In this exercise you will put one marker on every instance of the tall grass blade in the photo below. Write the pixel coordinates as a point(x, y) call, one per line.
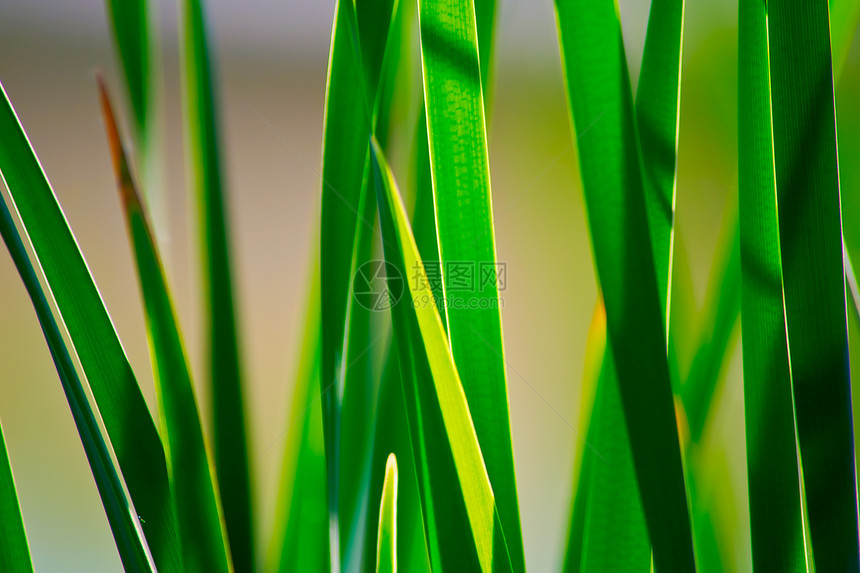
point(126, 417)
point(658, 100)
point(131, 32)
point(772, 465)
point(351, 113)
point(124, 525)
point(14, 549)
point(301, 530)
point(135, 37)
point(844, 16)
point(393, 435)
point(195, 492)
point(721, 312)
point(458, 504)
point(460, 175)
point(608, 486)
point(224, 371)
point(386, 548)
point(600, 100)
point(810, 225)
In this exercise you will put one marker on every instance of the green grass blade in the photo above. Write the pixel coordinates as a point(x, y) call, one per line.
point(464, 222)
point(198, 510)
point(14, 550)
point(386, 548)
point(722, 310)
point(130, 27)
point(601, 104)
point(595, 348)
point(125, 414)
point(603, 494)
point(844, 16)
point(124, 526)
point(301, 531)
point(658, 99)
point(772, 466)
point(392, 435)
point(451, 470)
point(224, 371)
point(352, 107)
point(810, 225)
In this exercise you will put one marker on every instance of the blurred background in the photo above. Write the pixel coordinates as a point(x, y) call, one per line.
point(272, 58)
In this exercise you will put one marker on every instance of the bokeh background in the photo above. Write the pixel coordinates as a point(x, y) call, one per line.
point(272, 59)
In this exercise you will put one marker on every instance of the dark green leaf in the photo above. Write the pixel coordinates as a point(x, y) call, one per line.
point(14, 551)
point(121, 405)
point(602, 111)
point(224, 370)
point(810, 240)
point(772, 466)
point(464, 222)
point(198, 509)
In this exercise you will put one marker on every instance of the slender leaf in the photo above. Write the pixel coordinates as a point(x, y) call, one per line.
point(351, 111)
point(224, 369)
point(14, 551)
point(131, 32)
point(301, 531)
point(462, 525)
point(464, 221)
point(386, 548)
point(595, 348)
point(721, 312)
point(124, 525)
point(810, 225)
point(121, 405)
point(200, 519)
point(844, 16)
point(601, 102)
point(393, 435)
point(772, 465)
point(658, 100)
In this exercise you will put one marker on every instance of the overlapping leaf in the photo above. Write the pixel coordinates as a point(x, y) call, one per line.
point(198, 507)
point(810, 242)
point(460, 176)
point(462, 525)
point(600, 101)
point(223, 365)
point(121, 405)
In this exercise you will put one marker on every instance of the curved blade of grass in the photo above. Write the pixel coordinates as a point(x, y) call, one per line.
point(14, 549)
point(436, 402)
point(598, 88)
point(198, 510)
point(122, 407)
point(772, 465)
point(810, 234)
point(124, 524)
point(229, 430)
point(301, 530)
point(386, 548)
point(464, 221)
